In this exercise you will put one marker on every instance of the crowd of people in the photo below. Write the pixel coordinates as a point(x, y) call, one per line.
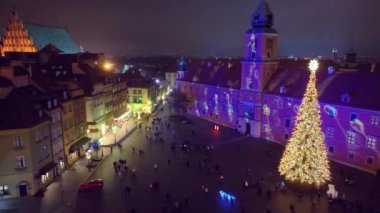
point(160, 130)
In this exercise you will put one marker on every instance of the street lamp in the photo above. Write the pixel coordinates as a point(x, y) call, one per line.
point(114, 128)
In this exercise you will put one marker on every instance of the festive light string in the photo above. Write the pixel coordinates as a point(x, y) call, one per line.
point(305, 157)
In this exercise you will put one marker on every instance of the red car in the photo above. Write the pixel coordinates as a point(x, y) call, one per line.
point(91, 185)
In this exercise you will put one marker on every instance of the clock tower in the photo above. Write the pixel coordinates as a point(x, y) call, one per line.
point(260, 52)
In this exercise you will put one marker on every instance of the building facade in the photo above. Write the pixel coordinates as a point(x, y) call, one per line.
point(27, 164)
point(259, 95)
point(16, 37)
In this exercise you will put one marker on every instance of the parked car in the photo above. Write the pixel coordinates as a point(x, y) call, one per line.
point(91, 185)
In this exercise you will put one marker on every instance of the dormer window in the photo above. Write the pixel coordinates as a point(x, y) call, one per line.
point(283, 90)
point(345, 98)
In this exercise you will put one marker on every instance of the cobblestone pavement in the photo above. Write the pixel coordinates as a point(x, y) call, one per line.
point(183, 179)
point(234, 154)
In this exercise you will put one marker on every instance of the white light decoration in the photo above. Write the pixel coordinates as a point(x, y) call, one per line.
point(313, 65)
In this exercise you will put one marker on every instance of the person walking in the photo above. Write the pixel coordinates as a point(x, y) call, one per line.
point(155, 167)
point(169, 162)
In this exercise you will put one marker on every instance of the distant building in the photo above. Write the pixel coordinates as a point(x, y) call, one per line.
point(20, 36)
point(259, 95)
point(144, 94)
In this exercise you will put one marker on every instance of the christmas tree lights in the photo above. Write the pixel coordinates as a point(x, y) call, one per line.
point(305, 157)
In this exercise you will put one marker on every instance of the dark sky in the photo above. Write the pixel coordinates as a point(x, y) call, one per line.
point(206, 27)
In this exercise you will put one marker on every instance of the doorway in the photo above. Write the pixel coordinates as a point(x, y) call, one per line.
point(248, 129)
point(23, 190)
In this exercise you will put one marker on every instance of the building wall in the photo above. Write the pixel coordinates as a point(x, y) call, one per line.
point(57, 138)
point(273, 117)
point(68, 130)
point(35, 147)
point(139, 100)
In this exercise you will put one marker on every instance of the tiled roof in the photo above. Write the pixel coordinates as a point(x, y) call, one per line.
point(20, 108)
point(60, 37)
point(291, 77)
point(223, 72)
point(5, 82)
point(19, 70)
point(360, 85)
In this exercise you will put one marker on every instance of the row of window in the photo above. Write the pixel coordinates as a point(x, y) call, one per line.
point(135, 92)
point(370, 160)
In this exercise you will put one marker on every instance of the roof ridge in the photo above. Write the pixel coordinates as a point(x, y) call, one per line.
point(44, 25)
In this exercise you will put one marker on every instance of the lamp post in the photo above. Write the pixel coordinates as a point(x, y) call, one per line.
point(114, 130)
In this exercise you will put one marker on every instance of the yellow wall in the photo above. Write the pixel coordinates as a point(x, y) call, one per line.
point(31, 149)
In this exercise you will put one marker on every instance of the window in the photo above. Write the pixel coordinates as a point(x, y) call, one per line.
point(139, 99)
point(350, 137)
point(45, 177)
point(269, 43)
point(353, 116)
point(20, 161)
point(351, 155)
point(266, 110)
point(4, 190)
point(331, 112)
point(286, 136)
point(38, 136)
point(331, 149)
point(274, 113)
point(371, 142)
point(374, 120)
point(287, 122)
point(134, 92)
point(370, 160)
point(134, 99)
point(17, 142)
point(289, 105)
point(139, 92)
point(329, 132)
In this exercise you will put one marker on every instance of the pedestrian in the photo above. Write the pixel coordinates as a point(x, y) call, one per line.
point(133, 173)
point(155, 167)
point(186, 201)
point(115, 166)
point(292, 209)
point(167, 196)
point(169, 162)
point(133, 150)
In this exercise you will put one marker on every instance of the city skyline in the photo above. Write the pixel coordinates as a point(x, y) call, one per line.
point(215, 28)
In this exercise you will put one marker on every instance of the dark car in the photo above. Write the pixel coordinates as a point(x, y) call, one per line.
point(91, 185)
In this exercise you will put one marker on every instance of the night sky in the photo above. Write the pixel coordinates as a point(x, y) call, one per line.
point(205, 27)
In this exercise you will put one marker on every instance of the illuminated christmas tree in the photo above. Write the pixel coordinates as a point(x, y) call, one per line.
point(305, 157)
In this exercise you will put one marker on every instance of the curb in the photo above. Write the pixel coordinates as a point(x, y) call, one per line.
point(96, 167)
point(121, 139)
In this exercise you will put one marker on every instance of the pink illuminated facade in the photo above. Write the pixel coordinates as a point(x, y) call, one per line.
point(259, 95)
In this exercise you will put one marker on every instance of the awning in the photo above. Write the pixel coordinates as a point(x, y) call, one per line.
point(45, 169)
point(79, 144)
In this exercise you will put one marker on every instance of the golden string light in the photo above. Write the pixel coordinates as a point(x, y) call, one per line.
point(305, 157)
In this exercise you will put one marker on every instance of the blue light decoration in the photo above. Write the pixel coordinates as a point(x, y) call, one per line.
point(226, 196)
point(331, 111)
